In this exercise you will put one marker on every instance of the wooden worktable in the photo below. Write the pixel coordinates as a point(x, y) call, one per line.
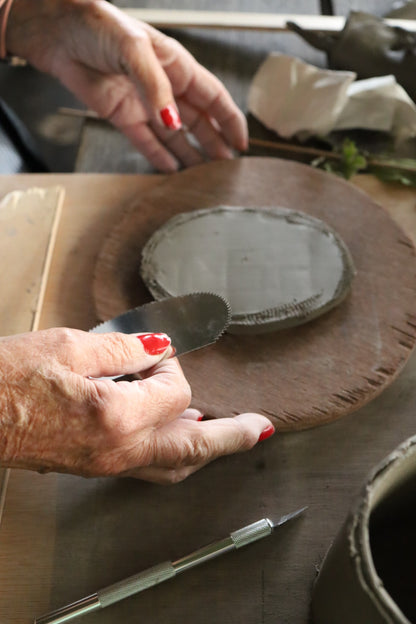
point(63, 537)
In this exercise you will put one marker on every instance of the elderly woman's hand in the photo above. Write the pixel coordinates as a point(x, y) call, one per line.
point(56, 414)
point(132, 75)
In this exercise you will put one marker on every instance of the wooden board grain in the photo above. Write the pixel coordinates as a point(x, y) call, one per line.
point(28, 227)
point(304, 376)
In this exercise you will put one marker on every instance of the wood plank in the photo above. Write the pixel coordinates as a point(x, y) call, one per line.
point(246, 20)
point(28, 227)
point(94, 204)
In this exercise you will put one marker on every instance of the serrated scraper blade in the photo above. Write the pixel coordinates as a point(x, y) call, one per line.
point(192, 321)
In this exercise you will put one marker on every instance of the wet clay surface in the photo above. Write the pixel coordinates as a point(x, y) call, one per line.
point(276, 267)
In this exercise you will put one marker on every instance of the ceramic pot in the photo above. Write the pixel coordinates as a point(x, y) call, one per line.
point(368, 574)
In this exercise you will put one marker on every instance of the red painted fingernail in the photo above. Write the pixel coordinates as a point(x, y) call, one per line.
point(170, 117)
point(154, 344)
point(266, 433)
point(200, 418)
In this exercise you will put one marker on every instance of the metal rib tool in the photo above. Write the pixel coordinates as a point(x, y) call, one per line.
point(164, 571)
point(191, 321)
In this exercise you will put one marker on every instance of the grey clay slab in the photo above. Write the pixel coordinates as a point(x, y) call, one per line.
point(278, 268)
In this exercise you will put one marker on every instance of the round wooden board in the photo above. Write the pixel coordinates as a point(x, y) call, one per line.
point(307, 375)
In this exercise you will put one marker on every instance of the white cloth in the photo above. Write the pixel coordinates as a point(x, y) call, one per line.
point(294, 98)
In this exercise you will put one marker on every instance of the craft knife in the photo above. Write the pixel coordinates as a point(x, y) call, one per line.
point(164, 571)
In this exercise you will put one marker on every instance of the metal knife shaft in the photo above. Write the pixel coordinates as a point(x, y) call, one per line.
point(158, 574)
point(237, 539)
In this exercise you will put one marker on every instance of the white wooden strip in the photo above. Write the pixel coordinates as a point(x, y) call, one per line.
point(167, 18)
point(28, 226)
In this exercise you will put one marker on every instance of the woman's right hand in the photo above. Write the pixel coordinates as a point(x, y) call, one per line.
point(133, 75)
point(58, 414)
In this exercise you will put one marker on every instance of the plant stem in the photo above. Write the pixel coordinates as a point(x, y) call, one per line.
point(312, 151)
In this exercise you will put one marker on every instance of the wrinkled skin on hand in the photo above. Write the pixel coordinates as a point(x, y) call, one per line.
point(57, 415)
point(128, 72)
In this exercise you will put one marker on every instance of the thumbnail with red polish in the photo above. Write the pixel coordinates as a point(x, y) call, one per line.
point(154, 344)
point(266, 433)
point(170, 117)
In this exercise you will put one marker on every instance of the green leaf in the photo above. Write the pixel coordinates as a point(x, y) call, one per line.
point(392, 174)
point(350, 163)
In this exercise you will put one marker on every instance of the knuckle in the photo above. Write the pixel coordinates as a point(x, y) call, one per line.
point(196, 450)
point(173, 476)
point(162, 42)
point(138, 38)
point(66, 337)
point(118, 344)
point(177, 476)
point(172, 49)
point(111, 421)
point(65, 342)
point(134, 47)
point(183, 401)
point(174, 400)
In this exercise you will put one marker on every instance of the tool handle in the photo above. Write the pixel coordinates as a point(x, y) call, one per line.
point(237, 539)
point(252, 532)
point(136, 583)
